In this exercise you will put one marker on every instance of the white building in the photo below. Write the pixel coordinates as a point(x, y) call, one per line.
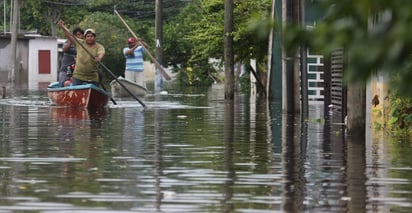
point(37, 58)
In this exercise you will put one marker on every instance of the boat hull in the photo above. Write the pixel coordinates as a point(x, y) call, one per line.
point(87, 95)
point(64, 114)
point(119, 91)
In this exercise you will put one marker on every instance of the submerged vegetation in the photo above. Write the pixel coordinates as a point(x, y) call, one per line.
point(400, 117)
point(394, 116)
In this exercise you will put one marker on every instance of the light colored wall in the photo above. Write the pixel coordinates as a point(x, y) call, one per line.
point(36, 80)
point(27, 74)
point(4, 55)
point(21, 56)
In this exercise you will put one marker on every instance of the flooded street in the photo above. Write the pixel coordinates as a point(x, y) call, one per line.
point(190, 151)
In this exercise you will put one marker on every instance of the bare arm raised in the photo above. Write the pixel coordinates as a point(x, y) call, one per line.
point(66, 31)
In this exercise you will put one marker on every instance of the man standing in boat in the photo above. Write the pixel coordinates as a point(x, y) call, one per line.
point(134, 61)
point(87, 67)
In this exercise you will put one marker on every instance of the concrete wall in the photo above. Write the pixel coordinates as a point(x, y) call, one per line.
point(27, 72)
point(21, 56)
point(4, 65)
point(4, 55)
point(40, 81)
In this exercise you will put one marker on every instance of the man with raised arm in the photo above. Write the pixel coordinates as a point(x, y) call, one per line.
point(89, 55)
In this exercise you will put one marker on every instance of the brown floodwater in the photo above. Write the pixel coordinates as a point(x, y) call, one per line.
point(192, 151)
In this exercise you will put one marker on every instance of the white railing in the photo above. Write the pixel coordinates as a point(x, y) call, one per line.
point(315, 77)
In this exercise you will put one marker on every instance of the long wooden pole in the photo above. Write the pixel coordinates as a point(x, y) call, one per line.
point(13, 43)
point(162, 71)
point(104, 88)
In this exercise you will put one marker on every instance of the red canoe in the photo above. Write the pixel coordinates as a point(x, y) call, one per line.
point(64, 114)
point(87, 95)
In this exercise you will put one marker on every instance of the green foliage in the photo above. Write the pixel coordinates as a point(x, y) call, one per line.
point(36, 14)
point(400, 119)
point(251, 30)
point(74, 14)
point(196, 34)
point(378, 126)
point(378, 112)
point(100, 3)
point(195, 76)
point(375, 35)
point(177, 47)
point(33, 18)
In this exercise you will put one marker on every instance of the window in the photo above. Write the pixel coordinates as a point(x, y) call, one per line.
point(44, 62)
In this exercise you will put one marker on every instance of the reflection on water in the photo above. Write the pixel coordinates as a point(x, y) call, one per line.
point(193, 152)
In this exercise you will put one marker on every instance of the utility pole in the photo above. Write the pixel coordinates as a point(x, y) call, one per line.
point(159, 41)
point(13, 43)
point(228, 51)
point(303, 66)
point(4, 17)
point(290, 78)
point(288, 64)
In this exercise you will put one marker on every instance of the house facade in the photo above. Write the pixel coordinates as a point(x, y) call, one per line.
point(37, 59)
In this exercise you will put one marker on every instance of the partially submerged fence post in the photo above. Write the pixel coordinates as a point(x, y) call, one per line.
point(3, 82)
point(3, 91)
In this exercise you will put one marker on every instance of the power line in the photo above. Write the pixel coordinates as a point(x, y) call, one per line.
point(146, 8)
point(66, 2)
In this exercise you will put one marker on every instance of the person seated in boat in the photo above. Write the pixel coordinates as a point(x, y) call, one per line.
point(68, 83)
point(89, 56)
point(69, 73)
point(134, 53)
point(69, 55)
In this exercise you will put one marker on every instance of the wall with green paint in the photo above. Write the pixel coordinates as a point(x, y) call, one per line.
point(313, 14)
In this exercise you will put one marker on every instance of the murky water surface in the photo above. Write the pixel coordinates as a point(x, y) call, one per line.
point(190, 151)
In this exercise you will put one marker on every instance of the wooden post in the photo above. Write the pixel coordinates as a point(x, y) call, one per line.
point(303, 66)
point(13, 43)
point(159, 41)
point(3, 81)
point(3, 93)
point(270, 53)
point(228, 51)
point(291, 85)
point(295, 19)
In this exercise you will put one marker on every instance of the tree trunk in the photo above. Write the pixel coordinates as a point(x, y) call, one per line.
point(13, 43)
point(53, 16)
point(356, 99)
point(228, 51)
point(159, 41)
